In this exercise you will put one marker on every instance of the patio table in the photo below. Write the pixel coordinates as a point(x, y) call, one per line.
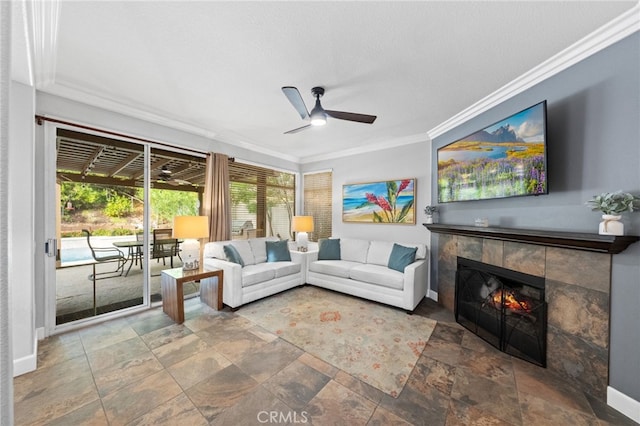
point(132, 249)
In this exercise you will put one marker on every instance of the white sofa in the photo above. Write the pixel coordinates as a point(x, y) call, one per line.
point(258, 278)
point(362, 271)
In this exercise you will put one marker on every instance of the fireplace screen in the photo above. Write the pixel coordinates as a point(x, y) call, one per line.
point(504, 307)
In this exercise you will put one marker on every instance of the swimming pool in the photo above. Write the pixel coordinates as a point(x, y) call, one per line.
point(78, 254)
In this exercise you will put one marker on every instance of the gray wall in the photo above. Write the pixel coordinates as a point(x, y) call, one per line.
point(593, 135)
point(408, 161)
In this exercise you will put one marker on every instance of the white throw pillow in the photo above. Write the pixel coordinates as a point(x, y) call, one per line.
point(216, 249)
point(354, 250)
point(421, 253)
point(244, 249)
point(379, 252)
point(259, 248)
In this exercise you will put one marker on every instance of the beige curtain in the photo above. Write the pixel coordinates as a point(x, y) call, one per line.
point(217, 202)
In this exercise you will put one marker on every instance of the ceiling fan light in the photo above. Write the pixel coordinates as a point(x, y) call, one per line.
point(318, 117)
point(318, 121)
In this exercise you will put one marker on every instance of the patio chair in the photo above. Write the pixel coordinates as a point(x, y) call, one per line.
point(105, 255)
point(164, 245)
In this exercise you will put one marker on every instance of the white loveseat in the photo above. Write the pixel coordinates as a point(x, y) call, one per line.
point(363, 271)
point(257, 278)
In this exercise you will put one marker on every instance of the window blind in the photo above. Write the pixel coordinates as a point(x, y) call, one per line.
point(262, 201)
point(318, 202)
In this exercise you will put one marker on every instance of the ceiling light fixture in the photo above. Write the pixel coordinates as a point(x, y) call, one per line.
point(318, 116)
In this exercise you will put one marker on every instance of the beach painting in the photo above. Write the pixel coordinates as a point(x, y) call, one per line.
point(391, 201)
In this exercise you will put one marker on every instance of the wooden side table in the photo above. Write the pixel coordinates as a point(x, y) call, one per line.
point(172, 281)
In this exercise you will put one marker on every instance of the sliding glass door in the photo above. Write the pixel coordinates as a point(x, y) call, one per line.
point(110, 233)
point(99, 212)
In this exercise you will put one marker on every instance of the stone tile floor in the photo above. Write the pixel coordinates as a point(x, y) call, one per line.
point(220, 369)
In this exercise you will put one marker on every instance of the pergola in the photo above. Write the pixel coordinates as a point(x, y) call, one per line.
point(86, 158)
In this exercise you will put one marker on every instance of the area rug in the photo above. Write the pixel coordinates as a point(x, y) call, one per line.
point(377, 344)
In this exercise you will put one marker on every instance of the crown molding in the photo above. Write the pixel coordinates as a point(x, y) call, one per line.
point(610, 33)
point(68, 91)
point(41, 26)
point(393, 143)
point(259, 149)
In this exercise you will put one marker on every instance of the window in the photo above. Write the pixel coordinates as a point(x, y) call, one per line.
point(318, 202)
point(262, 201)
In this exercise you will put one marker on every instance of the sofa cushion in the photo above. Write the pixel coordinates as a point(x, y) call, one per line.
point(255, 274)
point(245, 251)
point(379, 252)
point(233, 255)
point(278, 251)
point(337, 268)
point(354, 250)
point(379, 275)
point(216, 249)
point(329, 249)
point(282, 269)
point(401, 257)
point(259, 248)
point(421, 250)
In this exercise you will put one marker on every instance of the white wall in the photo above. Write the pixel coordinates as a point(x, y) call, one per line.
point(21, 227)
point(407, 161)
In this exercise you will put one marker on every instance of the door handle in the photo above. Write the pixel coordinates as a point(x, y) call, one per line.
point(51, 247)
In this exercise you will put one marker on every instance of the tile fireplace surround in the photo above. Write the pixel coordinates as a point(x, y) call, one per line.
point(578, 283)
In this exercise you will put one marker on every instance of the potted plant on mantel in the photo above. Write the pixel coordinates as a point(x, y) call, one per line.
point(612, 205)
point(430, 211)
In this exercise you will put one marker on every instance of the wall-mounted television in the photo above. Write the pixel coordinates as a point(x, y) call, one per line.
point(505, 159)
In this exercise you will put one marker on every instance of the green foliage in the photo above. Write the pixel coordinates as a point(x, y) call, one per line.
point(244, 193)
point(165, 204)
point(118, 206)
point(614, 203)
point(82, 195)
point(98, 233)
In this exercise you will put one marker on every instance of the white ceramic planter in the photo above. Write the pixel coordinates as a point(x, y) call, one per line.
point(611, 225)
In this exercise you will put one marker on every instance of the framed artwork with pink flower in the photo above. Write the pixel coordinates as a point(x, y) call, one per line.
point(390, 201)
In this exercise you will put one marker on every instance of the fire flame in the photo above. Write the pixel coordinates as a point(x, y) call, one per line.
point(510, 301)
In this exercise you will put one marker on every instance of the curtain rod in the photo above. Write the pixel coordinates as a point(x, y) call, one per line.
point(41, 118)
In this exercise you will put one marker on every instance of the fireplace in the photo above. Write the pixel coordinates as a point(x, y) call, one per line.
point(504, 307)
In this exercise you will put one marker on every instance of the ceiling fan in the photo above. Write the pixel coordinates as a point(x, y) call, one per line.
point(318, 114)
point(165, 177)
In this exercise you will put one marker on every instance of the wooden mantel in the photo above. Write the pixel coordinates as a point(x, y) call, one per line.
point(612, 244)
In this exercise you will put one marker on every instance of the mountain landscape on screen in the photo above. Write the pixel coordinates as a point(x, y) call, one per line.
point(506, 159)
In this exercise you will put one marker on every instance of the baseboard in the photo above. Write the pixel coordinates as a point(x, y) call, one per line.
point(623, 403)
point(27, 363)
point(40, 333)
point(433, 295)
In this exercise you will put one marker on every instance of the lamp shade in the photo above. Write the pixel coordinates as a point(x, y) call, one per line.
point(191, 227)
point(302, 224)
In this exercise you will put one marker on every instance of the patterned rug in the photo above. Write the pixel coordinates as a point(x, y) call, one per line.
point(377, 344)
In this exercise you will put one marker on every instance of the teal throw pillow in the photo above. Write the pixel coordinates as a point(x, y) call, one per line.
point(329, 249)
point(401, 257)
point(232, 254)
point(278, 251)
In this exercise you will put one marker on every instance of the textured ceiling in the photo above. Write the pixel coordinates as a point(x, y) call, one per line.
point(218, 67)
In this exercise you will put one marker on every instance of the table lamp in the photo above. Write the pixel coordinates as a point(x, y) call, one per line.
point(191, 228)
point(301, 225)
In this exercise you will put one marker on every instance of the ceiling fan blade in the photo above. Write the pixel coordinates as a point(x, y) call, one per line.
point(296, 100)
point(297, 130)
point(351, 116)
